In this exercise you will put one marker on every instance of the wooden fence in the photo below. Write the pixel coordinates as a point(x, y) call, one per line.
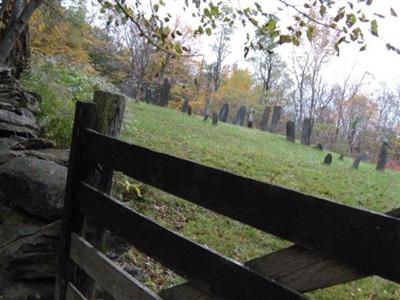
point(334, 243)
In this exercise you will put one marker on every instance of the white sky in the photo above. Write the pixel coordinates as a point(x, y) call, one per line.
point(384, 65)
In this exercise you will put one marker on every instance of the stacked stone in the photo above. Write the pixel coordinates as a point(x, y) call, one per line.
point(17, 108)
point(32, 180)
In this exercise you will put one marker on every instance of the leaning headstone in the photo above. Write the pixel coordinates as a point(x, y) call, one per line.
point(250, 117)
point(319, 147)
point(240, 116)
point(383, 156)
point(328, 159)
point(265, 118)
point(357, 161)
point(276, 115)
point(223, 113)
point(214, 119)
point(341, 157)
point(185, 105)
point(189, 110)
point(308, 125)
point(291, 131)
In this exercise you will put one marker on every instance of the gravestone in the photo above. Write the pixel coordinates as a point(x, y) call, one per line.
point(341, 157)
point(328, 159)
point(265, 118)
point(383, 156)
point(223, 113)
point(240, 116)
point(189, 110)
point(250, 117)
point(214, 119)
point(291, 131)
point(308, 125)
point(357, 161)
point(319, 147)
point(185, 105)
point(276, 115)
point(165, 92)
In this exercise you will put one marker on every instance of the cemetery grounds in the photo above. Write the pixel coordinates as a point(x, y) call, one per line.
point(250, 153)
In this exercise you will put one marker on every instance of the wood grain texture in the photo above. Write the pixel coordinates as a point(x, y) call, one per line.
point(226, 278)
point(85, 114)
point(296, 267)
point(366, 240)
point(73, 293)
point(115, 281)
point(110, 110)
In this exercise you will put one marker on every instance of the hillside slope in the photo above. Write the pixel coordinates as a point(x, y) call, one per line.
point(263, 156)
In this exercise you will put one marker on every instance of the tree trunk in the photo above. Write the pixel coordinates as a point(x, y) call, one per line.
point(308, 125)
point(276, 116)
point(265, 118)
point(383, 156)
point(14, 29)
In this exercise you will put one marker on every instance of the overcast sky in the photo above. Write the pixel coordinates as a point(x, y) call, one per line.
point(384, 65)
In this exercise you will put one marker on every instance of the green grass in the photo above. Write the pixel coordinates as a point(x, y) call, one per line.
point(259, 155)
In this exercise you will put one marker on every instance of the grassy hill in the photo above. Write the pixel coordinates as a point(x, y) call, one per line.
point(259, 155)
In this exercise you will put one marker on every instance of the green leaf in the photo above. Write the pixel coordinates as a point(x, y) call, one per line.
point(310, 33)
point(322, 10)
point(350, 20)
point(393, 12)
point(271, 25)
point(208, 31)
point(178, 49)
point(374, 27)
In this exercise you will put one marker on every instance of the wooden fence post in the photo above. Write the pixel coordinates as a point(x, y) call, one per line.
point(109, 117)
point(85, 115)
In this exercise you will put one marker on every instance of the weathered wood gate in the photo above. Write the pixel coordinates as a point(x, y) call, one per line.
point(335, 243)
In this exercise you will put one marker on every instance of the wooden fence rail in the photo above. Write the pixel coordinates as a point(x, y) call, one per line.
point(335, 243)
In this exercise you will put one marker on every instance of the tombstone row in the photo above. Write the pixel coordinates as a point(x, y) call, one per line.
point(265, 125)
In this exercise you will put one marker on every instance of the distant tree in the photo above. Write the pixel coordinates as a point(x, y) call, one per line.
point(358, 113)
point(348, 20)
point(311, 87)
point(237, 90)
point(221, 50)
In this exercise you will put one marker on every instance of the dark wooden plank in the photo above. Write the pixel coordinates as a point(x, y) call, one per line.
point(366, 240)
point(225, 277)
point(115, 281)
point(73, 293)
point(296, 267)
point(84, 118)
point(304, 270)
point(110, 110)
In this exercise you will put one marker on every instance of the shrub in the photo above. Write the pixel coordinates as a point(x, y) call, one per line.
point(60, 84)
